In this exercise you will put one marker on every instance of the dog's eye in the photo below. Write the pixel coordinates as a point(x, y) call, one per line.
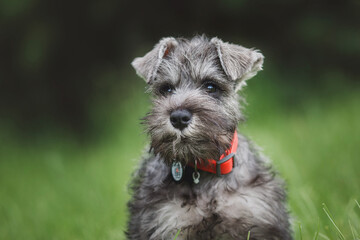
point(212, 89)
point(166, 89)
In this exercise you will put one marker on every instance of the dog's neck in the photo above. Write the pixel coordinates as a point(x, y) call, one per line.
point(222, 166)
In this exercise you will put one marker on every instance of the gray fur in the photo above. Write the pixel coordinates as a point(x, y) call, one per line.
point(250, 198)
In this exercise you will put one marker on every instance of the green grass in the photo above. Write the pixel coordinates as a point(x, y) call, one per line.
point(177, 234)
point(58, 195)
point(56, 188)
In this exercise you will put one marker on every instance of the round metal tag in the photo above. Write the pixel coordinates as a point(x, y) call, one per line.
point(177, 171)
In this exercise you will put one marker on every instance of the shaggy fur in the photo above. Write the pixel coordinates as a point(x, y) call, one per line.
point(250, 198)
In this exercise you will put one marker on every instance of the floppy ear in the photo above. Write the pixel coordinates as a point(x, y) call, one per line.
point(147, 66)
point(239, 63)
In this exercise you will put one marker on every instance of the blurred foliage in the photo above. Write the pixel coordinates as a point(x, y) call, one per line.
point(61, 58)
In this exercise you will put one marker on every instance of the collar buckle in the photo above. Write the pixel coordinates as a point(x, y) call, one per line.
point(225, 159)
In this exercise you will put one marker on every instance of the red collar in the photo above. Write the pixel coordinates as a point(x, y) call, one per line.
point(222, 166)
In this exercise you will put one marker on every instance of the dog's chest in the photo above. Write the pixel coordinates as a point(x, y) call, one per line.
point(216, 208)
point(208, 214)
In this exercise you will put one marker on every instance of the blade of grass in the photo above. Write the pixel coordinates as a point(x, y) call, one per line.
point(324, 236)
point(300, 231)
point(352, 230)
point(326, 210)
point(248, 236)
point(357, 203)
point(318, 230)
point(177, 234)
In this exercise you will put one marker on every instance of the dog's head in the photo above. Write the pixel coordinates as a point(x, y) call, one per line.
point(194, 84)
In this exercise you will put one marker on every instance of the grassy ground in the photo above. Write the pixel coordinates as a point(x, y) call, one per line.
point(55, 188)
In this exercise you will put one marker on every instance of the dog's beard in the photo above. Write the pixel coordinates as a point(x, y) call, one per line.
point(207, 137)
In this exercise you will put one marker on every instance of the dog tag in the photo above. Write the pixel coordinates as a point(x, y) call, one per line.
point(177, 171)
point(196, 177)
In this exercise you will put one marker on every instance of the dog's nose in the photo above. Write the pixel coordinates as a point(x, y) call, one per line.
point(181, 118)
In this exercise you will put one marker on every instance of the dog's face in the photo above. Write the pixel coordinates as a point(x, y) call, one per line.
point(195, 103)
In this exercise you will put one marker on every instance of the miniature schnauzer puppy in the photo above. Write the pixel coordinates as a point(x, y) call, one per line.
point(201, 179)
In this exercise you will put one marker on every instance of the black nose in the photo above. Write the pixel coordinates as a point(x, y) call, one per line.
point(180, 119)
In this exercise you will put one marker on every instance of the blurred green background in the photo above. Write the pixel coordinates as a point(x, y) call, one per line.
point(70, 107)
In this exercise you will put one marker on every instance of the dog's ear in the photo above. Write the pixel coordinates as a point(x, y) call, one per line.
point(147, 66)
point(239, 63)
